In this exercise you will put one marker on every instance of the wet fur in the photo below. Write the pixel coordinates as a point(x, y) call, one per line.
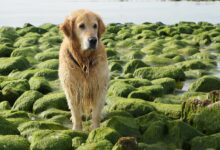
point(85, 83)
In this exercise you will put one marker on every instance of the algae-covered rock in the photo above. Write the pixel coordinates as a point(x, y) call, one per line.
point(126, 126)
point(7, 128)
point(103, 133)
point(160, 72)
point(49, 64)
point(115, 66)
point(135, 82)
point(168, 84)
point(52, 100)
point(77, 141)
point(126, 143)
point(4, 105)
point(205, 84)
point(101, 145)
point(9, 64)
point(5, 51)
point(25, 51)
point(49, 113)
point(206, 142)
point(132, 65)
point(26, 41)
point(49, 74)
point(120, 89)
point(13, 142)
point(50, 140)
point(207, 121)
point(136, 107)
point(8, 32)
point(26, 100)
point(47, 55)
point(169, 99)
point(40, 84)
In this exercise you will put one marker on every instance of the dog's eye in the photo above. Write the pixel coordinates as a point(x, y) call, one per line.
point(95, 26)
point(82, 26)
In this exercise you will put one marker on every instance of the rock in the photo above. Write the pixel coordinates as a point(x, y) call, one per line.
point(13, 142)
point(29, 29)
point(103, 133)
point(26, 74)
point(49, 74)
point(47, 26)
point(7, 128)
point(5, 51)
point(194, 64)
point(120, 89)
point(126, 143)
point(43, 56)
point(9, 64)
point(169, 99)
point(206, 142)
point(135, 82)
point(152, 73)
point(40, 84)
point(207, 121)
point(49, 64)
point(51, 112)
point(115, 66)
point(157, 146)
point(26, 100)
point(26, 41)
point(205, 84)
point(101, 145)
point(8, 32)
point(25, 51)
point(4, 105)
point(132, 65)
point(52, 100)
point(124, 125)
point(155, 60)
point(50, 140)
point(77, 141)
point(168, 84)
point(136, 107)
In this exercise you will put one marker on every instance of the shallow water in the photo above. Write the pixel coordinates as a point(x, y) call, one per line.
point(16, 13)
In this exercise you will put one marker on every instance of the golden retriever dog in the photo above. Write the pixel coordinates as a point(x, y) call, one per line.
point(83, 68)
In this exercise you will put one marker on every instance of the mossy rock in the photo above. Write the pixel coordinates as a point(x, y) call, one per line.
point(26, 41)
point(120, 89)
point(17, 121)
point(13, 142)
point(168, 84)
point(195, 74)
point(75, 133)
point(136, 107)
point(7, 128)
point(158, 60)
point(43, 56)
point(205, 84)
point(28, 29)
point(135, 82)
point(125, 126)
point(49, 64)
point(157, 146)
point(115, 66)
point(26, 100)
point(5, 51)
point(14, 114)
point(50, 140)
point(206, 142)
point(27, 128)
point(169, 99)
point(126, 143)
point(8, 32)
point(116, 113)
point(153, 90)
point(47, 26)
point(25, 51)
point(9, 64)
point(132, 65)
point(11, 90)
point(52, 100)
point(77, 141)
point(4, 105)
point(49, 74)
point(152, 73)
point(141, 94)
point(26, 74)
point(202, 121)
point(40, 84)
point(49, 113)
point(103, 133)
point(101, 145)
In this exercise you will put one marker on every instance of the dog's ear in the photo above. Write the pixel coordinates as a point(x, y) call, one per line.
point(67, 28)
point(101, 27)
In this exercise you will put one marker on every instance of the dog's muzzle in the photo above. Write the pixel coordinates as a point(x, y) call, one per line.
point(92, 42)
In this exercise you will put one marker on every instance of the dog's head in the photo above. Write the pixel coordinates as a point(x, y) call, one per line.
point(85, 28)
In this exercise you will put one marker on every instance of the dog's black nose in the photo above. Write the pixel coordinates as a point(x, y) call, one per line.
point(92, 42)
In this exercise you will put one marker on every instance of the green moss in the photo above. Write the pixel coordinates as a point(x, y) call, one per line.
point(13, 142)
point(47, 55)
point(207, 121)
point(75, 133)
point(40, 84)
point(132, 65)
point(49, 64)
point(158, 60)
point(8, 32)
point(26, 74)
point(17, 121)
point(47, 26)
point(77, 141)
point(50, 140)
point(206, 142)
point(115, 66)
point(49, 113)
point(135, 82)
point(154, 90)
point(141, 94)
point(26, 41)
point(103, 133)
point(26, 100)
point(205, 84)
point(25, 51)
point(168, 84)
point(4, 105)
point(125, 126)
point(194, 74)
point(126, 143)
point(120, 89)
point(30, 28)
point(49, 74)
point(5, 51)
point(52, 100)
point(160, 72)
point(116, 113)
point(157, 146)
point(169, 99)
point(9, 64)
point(194, 64)
point(101, 145)
point(136, 107)
point(14, 114)
point(7, 128)
point(11, 90)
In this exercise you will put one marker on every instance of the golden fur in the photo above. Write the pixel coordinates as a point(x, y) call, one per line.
point(84, 81)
